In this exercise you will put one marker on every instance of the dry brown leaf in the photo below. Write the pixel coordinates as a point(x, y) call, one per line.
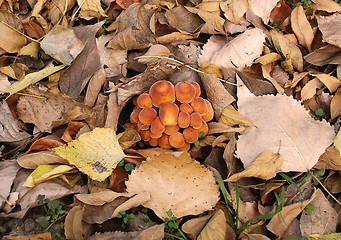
point(333, 182)
point(73, 223)
point(53, 112)
point(8, 172)
point(329, 26)
point(72, 129)
point(100, 198)
point(268, 58)
point(327, 5)
point(257, 85)
point(267, 76)
point(75, 78)
point(14, 70)
point(301, 27)
point(234, 10)
point(231, 117)
point(128, 138)
point(332, 83)
point(134, 201)
point(95, 85)
point(174, 184)
point(91, 8)
point(241, 51)
point(309, 90)
point(44, 144)
point(322, 220)
point(281, 120)
point(10, 27)
point(33, 160)
point(157, 50)
point(38, 236)
point(216, 228)
point(287, 49)
point(263, 8)
point(280, 12)
point(335, 105)
point(265, 166)
point(330, 159)
point(193, 227)
point(325, 55)
point(133, 29)
point(288, 214)
point(58, 9)
point(156, 232)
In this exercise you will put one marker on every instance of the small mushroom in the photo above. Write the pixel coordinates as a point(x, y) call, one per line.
point(155, 135)
point(208, 116)
point(196, 120)
point(134, 116)
point(184, 119)
point(147, 115)
point(161, 92)
point(141, 126)
point(153, 142)
point(144, 100)
point(145, 135)
point(176, 140)
point(163, 141)
point(190, 134)
point(156, 126)
point(203, 128)
point(184, 92)
point(185, 107)
point(185, 147)
point(197, 88)
point(199, 105)
point(171, 129)
point(168, 113)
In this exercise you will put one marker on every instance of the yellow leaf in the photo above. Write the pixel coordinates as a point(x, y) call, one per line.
point(232, 117)
point(32, 78)
point(330, 236)
point(95, 153)
point(265, 166)
point(215, 228)
point(45, 172)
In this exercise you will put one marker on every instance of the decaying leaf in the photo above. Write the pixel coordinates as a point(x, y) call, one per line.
point(33, 160)
point(328, 54)
point(301, 27)
point(174, 184)
point(8, 172)
point(327, 5)
point(265, 166)
point(332, 83)
point(335, 105)
point(281, 120)
point(73, 223)
point(234, 9)
point(231, 117)
point(91, 8)
point(215, 228)
point(328, 25)
point(309, 90)
point(331, 236)
point(263, 8)
point(10, 131)
point(95, 153)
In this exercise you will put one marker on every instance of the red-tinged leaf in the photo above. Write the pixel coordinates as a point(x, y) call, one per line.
point(44, 145)
point(280, 12)
point(71, 131)
point(117, 179)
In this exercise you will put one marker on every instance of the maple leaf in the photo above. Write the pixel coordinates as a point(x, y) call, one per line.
point(178, 184)
point(281, 120)
point(95, 153)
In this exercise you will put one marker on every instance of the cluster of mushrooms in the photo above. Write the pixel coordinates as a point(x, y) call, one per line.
point(171, 116)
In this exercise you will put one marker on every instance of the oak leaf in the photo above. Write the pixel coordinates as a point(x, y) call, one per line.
point(95, 153)
point(174, 184)
point(281, 120)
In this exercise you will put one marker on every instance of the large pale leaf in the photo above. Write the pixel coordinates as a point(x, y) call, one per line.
point(95, 153)
point(329, 26)
point(178, 184)
point(281, 120)
point(263, 8)
point(241, 51)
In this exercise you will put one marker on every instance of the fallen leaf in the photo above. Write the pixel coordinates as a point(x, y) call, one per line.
point(328, 54)
point(322, 220)
point(91, 8)
point(56, 110)
point(136, 200)
point(328, 25)
point(301, 27)
point(265, 166)
point(231, 117)
point(14, 70)
point(39, 236)
point(193, 227)
point(287, 49)
point(94, 87)
point(4, 84)
point(280, 12)
point(241, 51)
point(331, 236)
point(281, 120)
point(330, 159)
point(32, 78)
point(213, 44)
point(215, 228)
point(327, 5)
point(157, 50)
point(95, 153)
point(58, 43)
point(335, 105)
point(234, 10)
point(128, 138)
point(71, 130)
point(309, 90)
point(117, 178)
point(11, 39)
point(33, 160)
point(152, 233)
point(257, 86)
point(133, 29)
point(332, 83)
point(164, 177)
point(73, 223)
point(101, 198)
point(46, 172)
point(57, 10)
point(263, 8)
point(8, 172)
point(10, 131)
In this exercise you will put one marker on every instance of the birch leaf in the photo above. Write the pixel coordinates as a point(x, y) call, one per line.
point(301, 27)
point(281, 120)
point(95, 153)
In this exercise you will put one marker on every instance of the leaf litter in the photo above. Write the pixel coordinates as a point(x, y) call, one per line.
point(271, 70)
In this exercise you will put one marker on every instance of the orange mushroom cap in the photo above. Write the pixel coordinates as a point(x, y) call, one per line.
point(208, 116)
point(144, 100)
point(199, 105)
point(168, 113)
point(176, 140)
point(147, 115)
point(184, 119)
point(171, 129)
point(190, 135)
point(155, 135)
point(161, 92)
point(196, 120)
point(145, 135)
point(163, 141)
point(185, 147)
point(134, 116)
point(203, 128)
point(184, 92)
point(141, 126)
point(185, 107)
point(156, 126)
point(153, 142)
point(197, 88)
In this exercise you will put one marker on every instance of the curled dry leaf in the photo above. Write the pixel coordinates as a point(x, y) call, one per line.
point(327, 5)
point(8, 172)
point(328, 54)
point(309, 90)
point(100, 198)
point(281, 120)
point(153, 52)
point(215, 228)
point(194, 226)
point(134, 201)
point(234, 9)
point(332, 83)
point(330, 159)
point(73, 223)
point(265, 166)
point(33, 160)
point(174, 184)
point(328, 25)
point(335, 105)
point(263, 8)
point(95, 153)
point(91, 8)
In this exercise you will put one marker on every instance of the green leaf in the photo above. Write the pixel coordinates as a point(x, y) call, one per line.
point(292, 237)
point(145, 219)
point(129, 167)
point(201, 134)
point(125, 219)
point(32, 78)
point(319, 112)
point(197, 144)
point(321, 172)
point(310, 208)
point(53, 204)
point(43, 221)
point(169, 213)
point(131, 215)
